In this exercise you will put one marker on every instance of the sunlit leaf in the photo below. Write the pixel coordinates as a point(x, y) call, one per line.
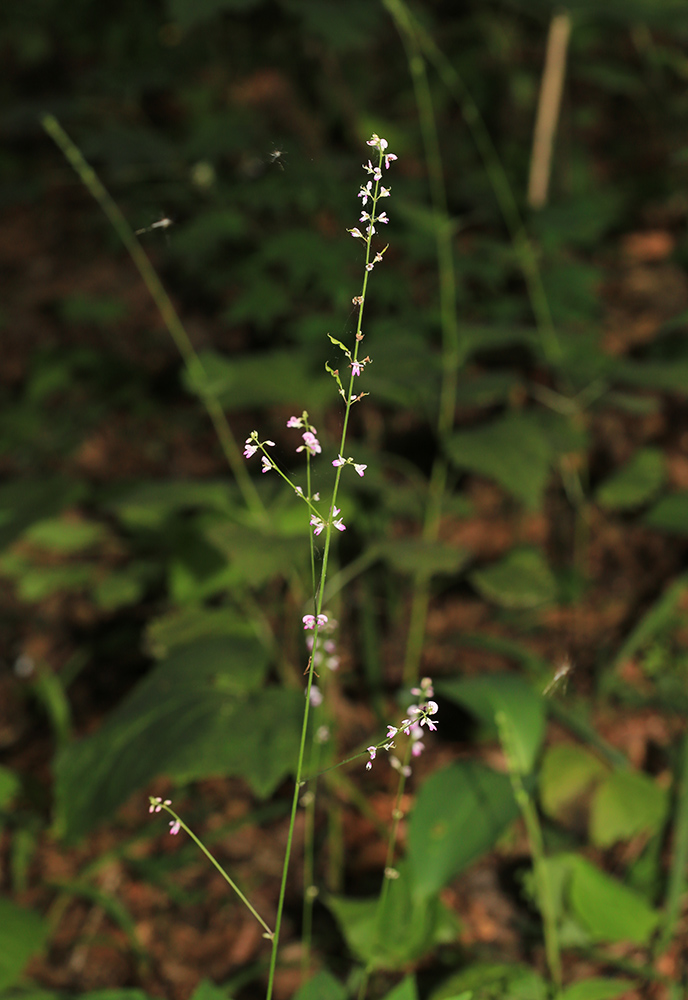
point(22, 934)
point(625, 804)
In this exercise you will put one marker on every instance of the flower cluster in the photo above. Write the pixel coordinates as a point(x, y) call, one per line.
point(419, 715)
point(253, 444)
point(360, 469)
point(324, 649)
point(156, 804)
point(372, 191)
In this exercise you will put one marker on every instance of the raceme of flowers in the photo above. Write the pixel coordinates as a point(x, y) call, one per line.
point(419, 715)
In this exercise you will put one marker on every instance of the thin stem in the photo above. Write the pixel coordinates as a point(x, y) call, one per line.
point(156, 806)
point(320, 593)
point(543, 885)
point(193, 363)
point(495, 171)
point(549, 105)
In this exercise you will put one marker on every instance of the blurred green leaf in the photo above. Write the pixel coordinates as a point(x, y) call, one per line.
point(626, 803)
point(511, 450)
point(494, 981)
point(415, 555)
point(200, 712)
point(58, 535)
point(606, 908)
point(567, 771)
point(412, 925)
point(487, 696)
point(634, 483)
point(522, 579)
point(596, 989)
point(9, 786)
point(22, 933)
point(25, 501)
point(459, 814)
point(670, 514)
point(321, 986)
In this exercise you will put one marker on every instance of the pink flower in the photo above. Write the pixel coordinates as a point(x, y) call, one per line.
point(339, 461)
point(372, 751)
point(388, 158)
point(317, 524)
point(250, 449)
point(337, 522)
point(356, 233)
point(267, 464)
point(295, 422)
point(175, 827)
point(310, 620)
point(157, 803)
point(316, 697)
point(356, 367)
point(360, 469)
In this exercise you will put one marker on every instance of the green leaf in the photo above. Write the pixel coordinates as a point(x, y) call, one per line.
point(596, 989)
point(634, 483)
point(522, 579)
point(148, 505)
point(625, 804)
point(566, 772)
point(198, 713)
point(415, 555)
point(207, 990)
point(670, 514)
point(495, 981)
point(27, 500)
point(321, 986)
point(58, 535)
point(411, 926)
point(523, 707)
point(184, 625)
point(669, 376)
point(22, 934)
point(405, 990)
point(9, 786)
point(606, 908)
point(460, 812)
point(511, 450)
point(264, 379)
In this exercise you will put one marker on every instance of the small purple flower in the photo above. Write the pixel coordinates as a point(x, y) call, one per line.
point(311, 443)
point(337, 522)
point(356, 233)
point(250, 449)
point(360, 469)
point(366, 192)
point(339, 461)
point(310, 620)
point(372, 751)
point(175, 827)
point(384, 192)
point(356, 367)
point(267, 464)
point(295, 422)
point(388, 158)
point(157, 803)
point(382, 217)
point(317, 524)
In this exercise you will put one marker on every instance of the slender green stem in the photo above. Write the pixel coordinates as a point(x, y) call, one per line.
point(193, 363)
point(156, 806)
point(350, 398)
point(543, 885)
point(454, 349)
point(496, 173)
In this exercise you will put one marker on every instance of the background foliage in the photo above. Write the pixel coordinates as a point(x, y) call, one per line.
point(150, 624)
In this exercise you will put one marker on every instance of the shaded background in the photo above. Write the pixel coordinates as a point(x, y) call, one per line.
point(566, 516)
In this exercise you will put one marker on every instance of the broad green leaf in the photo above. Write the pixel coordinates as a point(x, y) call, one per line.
point(497, 981)
point(405, 990)
point(200, 712)
point(596, 989)
point(124, 586)
point(566, 772)
point(34, 583)
point(148, 505)
point(207, 990)
point(264, 379)
point(634, 483)
point(322, 986)
point(184, 625)
point(670, 514)
point(606, 908)
point(509, 694)
point(625, 804)
point(460, 812)
point(24, 501)
point(522, 579)
point(9, 786)
point(671, 376)
point(409, 928)
point(415, 555)
point(22, 934)
point(58, 535)
point(511, 450)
